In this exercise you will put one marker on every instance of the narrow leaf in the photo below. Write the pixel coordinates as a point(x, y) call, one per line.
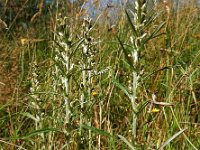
point(34, 133)
point(44, 130)
point(132, 25)
point(99, 131)
point(130, 62)
point(154, 33)
point(152, 17)
point(141, 107)
point(30, 116)
point(170, 139)
point(124, 89)
point(126, 141)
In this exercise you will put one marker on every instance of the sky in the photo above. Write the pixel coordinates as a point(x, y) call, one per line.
point(103, 4)
point(110, 6)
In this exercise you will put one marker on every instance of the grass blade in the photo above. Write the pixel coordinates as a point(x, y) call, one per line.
point(154, 33)
point(124, 89)
point(132, 25)
point(130, 62)
point(98, 131)
point(34, 133)
point(171, 138)
point(126, 141)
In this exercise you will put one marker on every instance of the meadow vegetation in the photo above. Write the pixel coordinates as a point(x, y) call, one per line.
point(68, 81)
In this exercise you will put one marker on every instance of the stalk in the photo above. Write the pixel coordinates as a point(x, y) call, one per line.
point(62, 58)
point(37, 102)
point(137, 46)
point(54, 81)
point(139, 22)
point(86, 65)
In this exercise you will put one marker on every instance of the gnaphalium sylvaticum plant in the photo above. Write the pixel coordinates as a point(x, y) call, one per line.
point(36, 102)
point(63, 62)
point(139, 22)
point(87, 65)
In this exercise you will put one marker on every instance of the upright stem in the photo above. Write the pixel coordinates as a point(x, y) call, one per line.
point(137, 45)
point(82, 99)
point(134, 106)
point(87, 56)
point(66, 84)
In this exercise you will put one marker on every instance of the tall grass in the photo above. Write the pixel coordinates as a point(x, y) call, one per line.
point(90, 85)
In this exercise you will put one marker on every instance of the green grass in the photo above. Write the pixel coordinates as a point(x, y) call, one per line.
point(74, 91)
